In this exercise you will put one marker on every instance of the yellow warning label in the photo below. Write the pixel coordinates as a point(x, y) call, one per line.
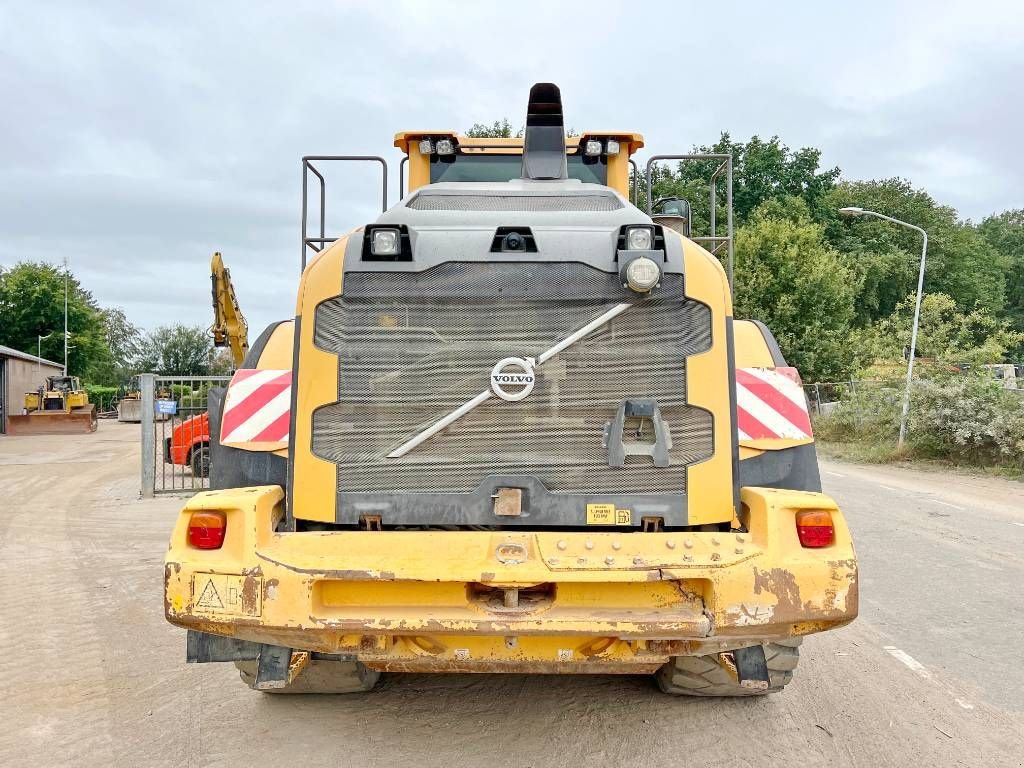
point(600, 514)
point(227, 594)
point(623, 517)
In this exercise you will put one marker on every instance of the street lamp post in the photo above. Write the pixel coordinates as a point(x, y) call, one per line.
point(65, 317)
point(851, 211)
point(39, 354)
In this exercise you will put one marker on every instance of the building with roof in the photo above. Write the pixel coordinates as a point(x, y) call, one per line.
point(21, 372)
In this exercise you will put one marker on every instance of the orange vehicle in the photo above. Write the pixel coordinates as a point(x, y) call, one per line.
point(189, 445)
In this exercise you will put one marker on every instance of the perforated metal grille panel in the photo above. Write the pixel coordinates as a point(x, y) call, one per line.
point(408, 356)
point(506, 202)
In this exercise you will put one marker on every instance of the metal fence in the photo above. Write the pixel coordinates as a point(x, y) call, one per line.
point(824, 396)
point(175, 435)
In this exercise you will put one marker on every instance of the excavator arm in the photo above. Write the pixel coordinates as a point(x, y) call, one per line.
point(229, 327)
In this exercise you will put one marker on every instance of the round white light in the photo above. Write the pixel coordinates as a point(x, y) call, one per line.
point(592, 148)
point(639, 239)
point(612, 147)
point(426, 147)
point(445, 147)
point(642, 274)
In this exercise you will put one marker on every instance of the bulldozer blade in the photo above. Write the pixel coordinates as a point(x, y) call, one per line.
point(79, 421)
point(129, 410)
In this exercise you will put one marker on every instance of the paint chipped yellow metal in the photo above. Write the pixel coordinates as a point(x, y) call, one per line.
point(392, 602)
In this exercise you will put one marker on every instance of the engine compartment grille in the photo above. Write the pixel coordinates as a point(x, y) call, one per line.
point(414, 346)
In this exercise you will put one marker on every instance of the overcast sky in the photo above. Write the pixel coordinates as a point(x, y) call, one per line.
point(138, 137)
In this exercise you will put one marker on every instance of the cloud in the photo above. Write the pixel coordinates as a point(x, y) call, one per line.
point(142, 137)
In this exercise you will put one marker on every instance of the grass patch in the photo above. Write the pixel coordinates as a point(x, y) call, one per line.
point(886, 453)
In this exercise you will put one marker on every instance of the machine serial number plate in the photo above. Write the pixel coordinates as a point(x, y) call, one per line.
point(607, 514)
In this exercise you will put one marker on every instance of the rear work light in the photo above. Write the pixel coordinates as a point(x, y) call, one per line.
point(206, 529)
point(815, 529)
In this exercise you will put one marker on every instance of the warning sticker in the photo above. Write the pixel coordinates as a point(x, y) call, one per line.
point(227, 594)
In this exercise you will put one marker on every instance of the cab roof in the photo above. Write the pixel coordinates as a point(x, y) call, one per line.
point(403, 139)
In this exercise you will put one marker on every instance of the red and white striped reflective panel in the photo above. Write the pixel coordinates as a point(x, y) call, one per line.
point(257, 408)
point(770, 404)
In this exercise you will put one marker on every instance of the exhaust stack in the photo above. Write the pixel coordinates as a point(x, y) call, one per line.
point(544, 142)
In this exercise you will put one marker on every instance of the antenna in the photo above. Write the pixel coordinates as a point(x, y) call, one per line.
point(65, 315)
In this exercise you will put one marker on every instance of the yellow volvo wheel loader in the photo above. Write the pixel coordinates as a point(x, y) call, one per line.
point(524, 433)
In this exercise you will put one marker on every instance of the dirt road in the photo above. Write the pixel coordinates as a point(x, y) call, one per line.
point(930, 675)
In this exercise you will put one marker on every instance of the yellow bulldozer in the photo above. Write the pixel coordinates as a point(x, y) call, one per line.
point(513, 427)
point(59, 407)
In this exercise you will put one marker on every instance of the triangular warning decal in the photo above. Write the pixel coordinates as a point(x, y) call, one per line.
point(210, 598)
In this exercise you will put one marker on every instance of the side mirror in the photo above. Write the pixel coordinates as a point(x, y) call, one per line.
point(674, 213)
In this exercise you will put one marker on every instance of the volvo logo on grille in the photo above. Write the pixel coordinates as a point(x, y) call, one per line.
point(513, 378)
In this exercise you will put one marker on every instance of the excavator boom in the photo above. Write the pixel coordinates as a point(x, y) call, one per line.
point(229, 327)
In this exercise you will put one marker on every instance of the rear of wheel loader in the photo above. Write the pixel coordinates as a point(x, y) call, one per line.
point(515, 429)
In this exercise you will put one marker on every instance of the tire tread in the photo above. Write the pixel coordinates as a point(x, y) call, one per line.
point(704, 676)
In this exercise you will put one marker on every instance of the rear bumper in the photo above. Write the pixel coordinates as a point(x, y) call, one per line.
point(510, 601)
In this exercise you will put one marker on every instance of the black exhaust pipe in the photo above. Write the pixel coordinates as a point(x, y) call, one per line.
point(544, 141)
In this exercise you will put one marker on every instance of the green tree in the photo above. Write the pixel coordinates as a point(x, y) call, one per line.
point(221, 363)
point(1005, 233)
point(946, 334)
point(32, 304)
point(177, 350)
point(961, 262)
point(788, 277)
point(762, 170)
point(499, 129)
point(124, 340)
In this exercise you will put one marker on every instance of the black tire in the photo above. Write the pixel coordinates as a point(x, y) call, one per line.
point(199, 460)
point(705, 676)
point(320, 675)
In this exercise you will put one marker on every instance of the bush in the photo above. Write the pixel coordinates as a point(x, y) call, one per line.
point(869, 414)
point(102, 397)
point(967, 418)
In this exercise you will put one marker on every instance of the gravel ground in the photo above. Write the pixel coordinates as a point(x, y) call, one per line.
point(93, 676)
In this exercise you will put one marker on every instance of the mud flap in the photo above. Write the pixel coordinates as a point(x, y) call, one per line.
point(273, 666)
point(752, 668)
point(202, 648)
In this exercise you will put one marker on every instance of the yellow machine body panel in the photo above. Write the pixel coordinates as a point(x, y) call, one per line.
point(419, 164)
point(751, 347)
point(450, 601)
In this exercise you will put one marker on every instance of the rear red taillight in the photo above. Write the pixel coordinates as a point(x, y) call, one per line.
point(206, 529)
point(815, 529)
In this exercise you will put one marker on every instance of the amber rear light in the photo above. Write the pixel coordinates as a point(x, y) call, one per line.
point(206, 529)
point(815, 529)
